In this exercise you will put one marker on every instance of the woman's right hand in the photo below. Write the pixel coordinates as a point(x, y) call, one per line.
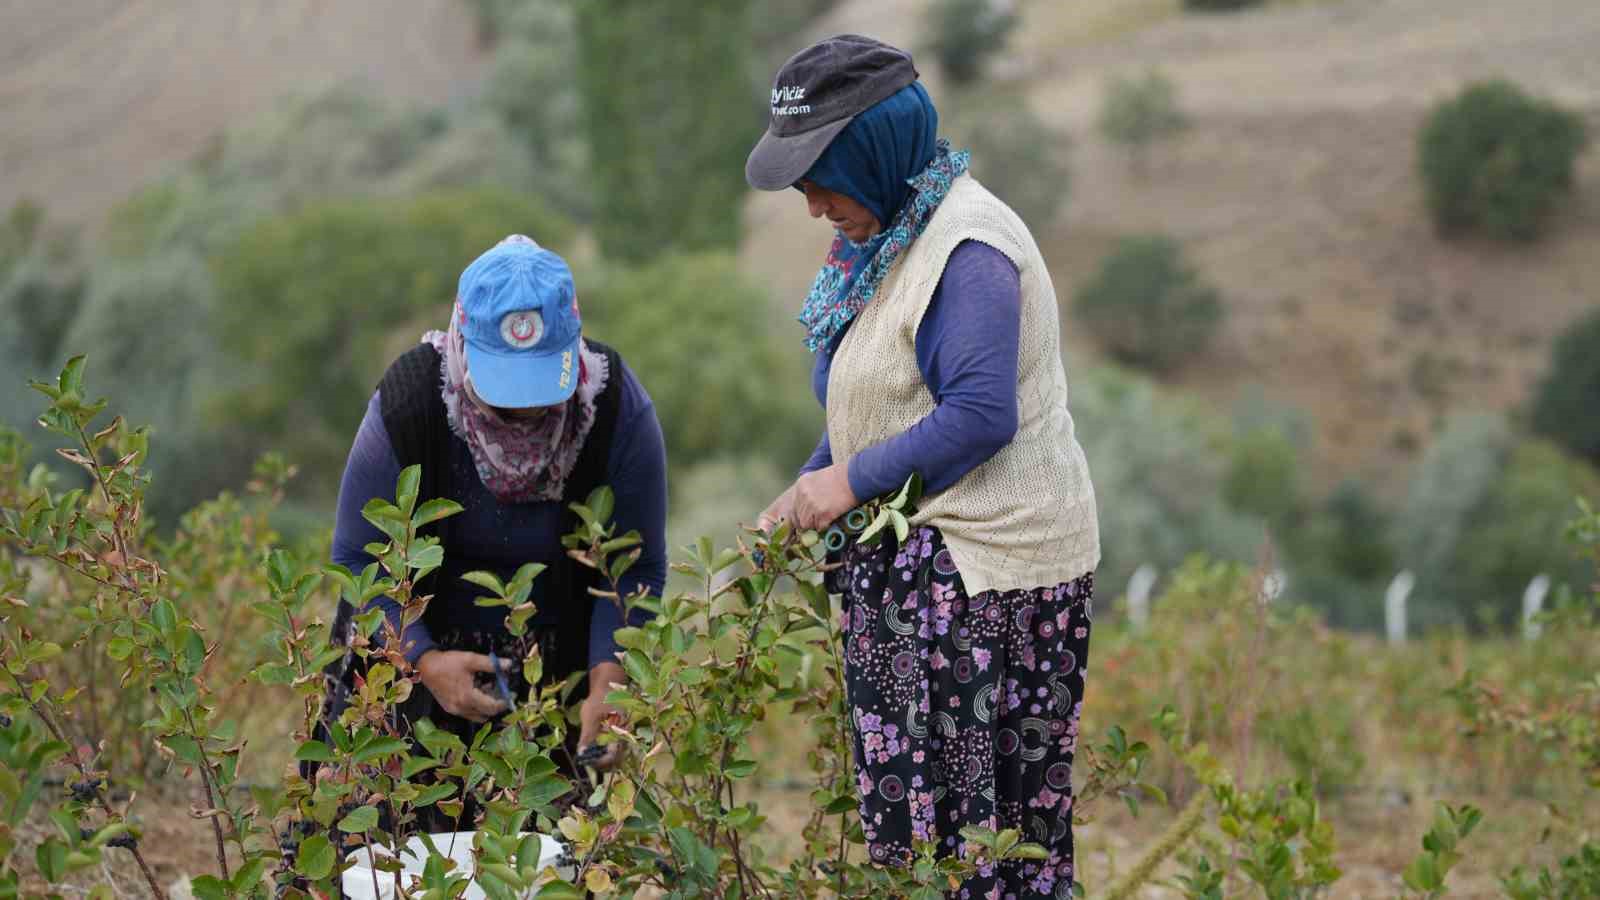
point(778, 510)
point(448, 675)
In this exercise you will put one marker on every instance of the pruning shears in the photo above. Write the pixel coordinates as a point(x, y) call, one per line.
point(501, 688)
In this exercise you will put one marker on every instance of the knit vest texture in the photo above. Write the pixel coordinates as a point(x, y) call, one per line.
point(1026, 517)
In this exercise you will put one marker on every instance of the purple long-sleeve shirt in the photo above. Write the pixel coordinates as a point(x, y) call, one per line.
point(967, 352)
point(500, 537)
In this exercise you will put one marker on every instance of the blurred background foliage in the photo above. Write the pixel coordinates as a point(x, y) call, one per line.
point(248, 300)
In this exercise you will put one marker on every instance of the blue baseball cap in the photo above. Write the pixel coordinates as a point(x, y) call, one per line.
point(518, 312)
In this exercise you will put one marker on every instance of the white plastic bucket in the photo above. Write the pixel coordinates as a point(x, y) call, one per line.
point(456, 845)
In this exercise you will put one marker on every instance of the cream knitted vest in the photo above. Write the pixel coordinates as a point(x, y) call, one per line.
point(1026, 517)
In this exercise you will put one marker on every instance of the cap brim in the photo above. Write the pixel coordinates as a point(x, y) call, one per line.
point(777, 163)
point(523, 380)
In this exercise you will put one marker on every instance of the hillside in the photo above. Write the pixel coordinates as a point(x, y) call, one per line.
point(1294, 190)
point(1295, 193)
point(99, 96)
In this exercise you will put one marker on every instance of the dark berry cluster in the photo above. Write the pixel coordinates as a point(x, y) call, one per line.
point(85, 791)
point(125, 840)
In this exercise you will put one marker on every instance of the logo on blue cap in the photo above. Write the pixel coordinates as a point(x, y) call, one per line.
point(519, 319)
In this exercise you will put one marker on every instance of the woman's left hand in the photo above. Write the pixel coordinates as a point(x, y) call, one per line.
point(596, 712)
point(823, 496)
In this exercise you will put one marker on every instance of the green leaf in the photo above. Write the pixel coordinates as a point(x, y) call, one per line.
point(249, 874)
point(417, 764)
point(360, 820)
point(638, 667)
point(194, 650)
point(486, 580)
point(275, 673)
point(119, 648)
point(902, 528)
point(740, 768)
point(1423, 874)
point(405, 489)
point(164, 617)
point(871, 532)
point(434, 794)
point(379, 747)
point(434, 510)
point(429, 557)
point(841, 804)
point(631, 539)
point(314, 751)
point(602, 502)
point(316, 857)
point(51, 858)
point(902, 498)
point(209, 887)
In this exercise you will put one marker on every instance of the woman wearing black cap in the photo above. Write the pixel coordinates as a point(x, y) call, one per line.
point(934, 324)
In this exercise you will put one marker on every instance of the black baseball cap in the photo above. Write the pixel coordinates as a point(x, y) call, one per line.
point(815, 95)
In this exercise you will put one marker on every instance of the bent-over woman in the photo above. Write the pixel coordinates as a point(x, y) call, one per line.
point(512, 413)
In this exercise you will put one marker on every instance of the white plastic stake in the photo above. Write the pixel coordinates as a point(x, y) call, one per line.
point(1394, 606)
point(1144, 578)
point(1532, 605)
point(1273, 585)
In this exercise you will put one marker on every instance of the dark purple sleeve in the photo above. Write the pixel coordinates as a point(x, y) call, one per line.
point(967, 351)
point(821, 458)
point(371, 471)
point(637, 474)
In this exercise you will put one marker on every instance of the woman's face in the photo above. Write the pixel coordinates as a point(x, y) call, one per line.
point(852, 219)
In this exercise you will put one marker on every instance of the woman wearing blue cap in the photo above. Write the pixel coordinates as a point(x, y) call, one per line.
point(934, 325)
point(514, 415)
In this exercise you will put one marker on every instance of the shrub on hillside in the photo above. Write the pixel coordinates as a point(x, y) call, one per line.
point(1342, 557)
point(1564, 408)
point(1148, 307)
point(1484, 515)
point(700, 336)
point(1359, 530)
point(1496, 159)
point(1518, 533)
point(667, 175)
point(1137, 112)
point(965, 35)
point(316, 301)
point(1158, 469)
point(1263, 476)
point(1450, 484)
point(141, 319)
point(1015, 154)
point(532, 89)
point(41, 288)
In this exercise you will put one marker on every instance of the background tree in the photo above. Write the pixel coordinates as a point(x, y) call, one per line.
point(1566, 404)
point(670, 113)
point(1496, 159)
point(1015, 153)
point(965, 36)
point(1138, 111)
point(1148, 306)
point(345, 284)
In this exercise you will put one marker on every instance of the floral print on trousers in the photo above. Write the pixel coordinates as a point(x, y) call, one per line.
point(964, 709)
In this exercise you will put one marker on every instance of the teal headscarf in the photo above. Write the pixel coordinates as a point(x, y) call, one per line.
point(890, 160)
point(873, 159)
